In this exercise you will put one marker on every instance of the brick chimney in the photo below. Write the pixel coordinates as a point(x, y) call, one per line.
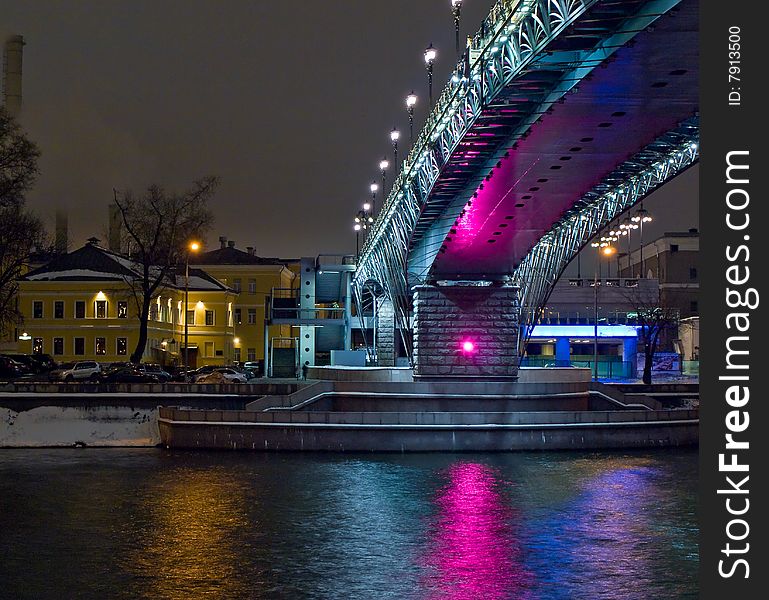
point(222, 241)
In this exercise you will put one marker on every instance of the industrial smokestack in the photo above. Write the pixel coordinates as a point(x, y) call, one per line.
point(61, 243)
point(115, 221)
point(12, 58)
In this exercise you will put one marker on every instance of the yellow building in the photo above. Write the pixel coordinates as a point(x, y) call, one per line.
point(253, 278)
point(81, 306)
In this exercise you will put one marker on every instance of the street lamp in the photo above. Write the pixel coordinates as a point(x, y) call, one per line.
point(191, 247)
point(640, 217)
point(394, 135)
point(411, 100)
point(603, 248)
point(430, 54)
point(456, 9)
point(628, 226)
point(373, 187)
point(383, 164)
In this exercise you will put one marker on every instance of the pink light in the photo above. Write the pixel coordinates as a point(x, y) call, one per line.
point(468, 346)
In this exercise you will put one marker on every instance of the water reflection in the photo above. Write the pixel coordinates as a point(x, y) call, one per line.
point(474, 550)
point(188, 539)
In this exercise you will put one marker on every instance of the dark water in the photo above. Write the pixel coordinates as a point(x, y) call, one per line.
point(102, 523)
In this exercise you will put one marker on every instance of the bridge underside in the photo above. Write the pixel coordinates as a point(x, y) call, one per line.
point(483, 224)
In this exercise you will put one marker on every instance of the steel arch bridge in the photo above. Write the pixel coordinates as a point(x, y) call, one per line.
point(562, 115)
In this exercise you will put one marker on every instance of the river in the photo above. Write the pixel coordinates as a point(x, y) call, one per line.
point(149, 523)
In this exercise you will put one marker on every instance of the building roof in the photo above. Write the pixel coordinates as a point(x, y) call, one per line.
point(94, 263)
point(230, 255)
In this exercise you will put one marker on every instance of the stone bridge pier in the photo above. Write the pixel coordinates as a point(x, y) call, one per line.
point(466, 332)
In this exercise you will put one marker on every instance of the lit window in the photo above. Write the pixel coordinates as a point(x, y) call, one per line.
point(101, 346)
point(37, 346)
point(100, 309)
point(122, 310)
point(122, 346)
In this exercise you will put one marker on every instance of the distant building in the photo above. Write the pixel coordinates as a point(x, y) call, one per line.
point(80, 306)
point(673, 260)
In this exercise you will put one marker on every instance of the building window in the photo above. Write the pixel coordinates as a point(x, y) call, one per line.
point(251, 354)
point(190, 317)
point(236, 355)
point(238, 316)
point(694, 306)
point(252, 286)
point(122, 346)
point(122, 310)
point(674, 247)
point(58, 309)
point(209, 317)
point(252, 316)
point(37, 309)
point(80, 309)
point(153, 312)
point(58, 346)
point(100, 309)
point(236, 283)
point(693, 273)
point(101, 346)
point(209, 347)
point(37, 346)
point(79, 346)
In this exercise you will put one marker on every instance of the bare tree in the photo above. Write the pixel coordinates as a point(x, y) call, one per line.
point(157, 225)
point(21, 231)
point(657, 314)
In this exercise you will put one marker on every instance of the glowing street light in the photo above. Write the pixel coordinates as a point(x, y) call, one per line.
point(411, 101)
point(191, 247)
point(383, 164)
point(430, 55)
point(640, 217)
point(394, 136)
point(603, 248)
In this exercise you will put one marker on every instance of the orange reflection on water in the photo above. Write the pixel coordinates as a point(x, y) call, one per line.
point(473, 550)
point(188, 549)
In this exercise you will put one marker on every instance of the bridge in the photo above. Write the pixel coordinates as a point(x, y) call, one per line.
point(561, 115)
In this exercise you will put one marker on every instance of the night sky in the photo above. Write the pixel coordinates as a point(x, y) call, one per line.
point(290, 103)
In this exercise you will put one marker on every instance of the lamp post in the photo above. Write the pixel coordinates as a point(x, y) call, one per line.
point(456, 10)
point(628, 226)
point(430, 54)
point(383, 164)
point(411, 101)
point(373, 187)
point(192, 247)
point(640, 217)
point(363, 220)
point(394, 136)
point(606, 249)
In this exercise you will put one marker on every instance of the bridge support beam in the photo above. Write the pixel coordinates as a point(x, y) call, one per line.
point(466, 332)
point(385, 332)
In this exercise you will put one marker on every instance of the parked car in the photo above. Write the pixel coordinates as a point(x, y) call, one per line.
point(56, 374)
point(156, 370)
point(222, 375)
point(130, 374)
point(34, 363)
point(87, 370)
point(9, 368)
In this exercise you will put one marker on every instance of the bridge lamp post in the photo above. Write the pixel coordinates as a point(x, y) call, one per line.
point(394, 136)
point(383, 164)
point(191, 247)
point(430, 55)
point(456, 10)
point(411, 100)
point(627, 226)
point(640, 217)
point(604, 248)
point(373, 187)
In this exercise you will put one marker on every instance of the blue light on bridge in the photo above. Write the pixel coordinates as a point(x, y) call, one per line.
point(584, 331)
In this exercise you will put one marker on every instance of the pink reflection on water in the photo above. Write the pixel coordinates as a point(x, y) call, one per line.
point(473, 551)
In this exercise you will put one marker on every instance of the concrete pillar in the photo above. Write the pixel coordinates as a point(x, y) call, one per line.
point(385, 335)
point(466, 332)
point(562, 350)
point(307, 311)
point(629, 351)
